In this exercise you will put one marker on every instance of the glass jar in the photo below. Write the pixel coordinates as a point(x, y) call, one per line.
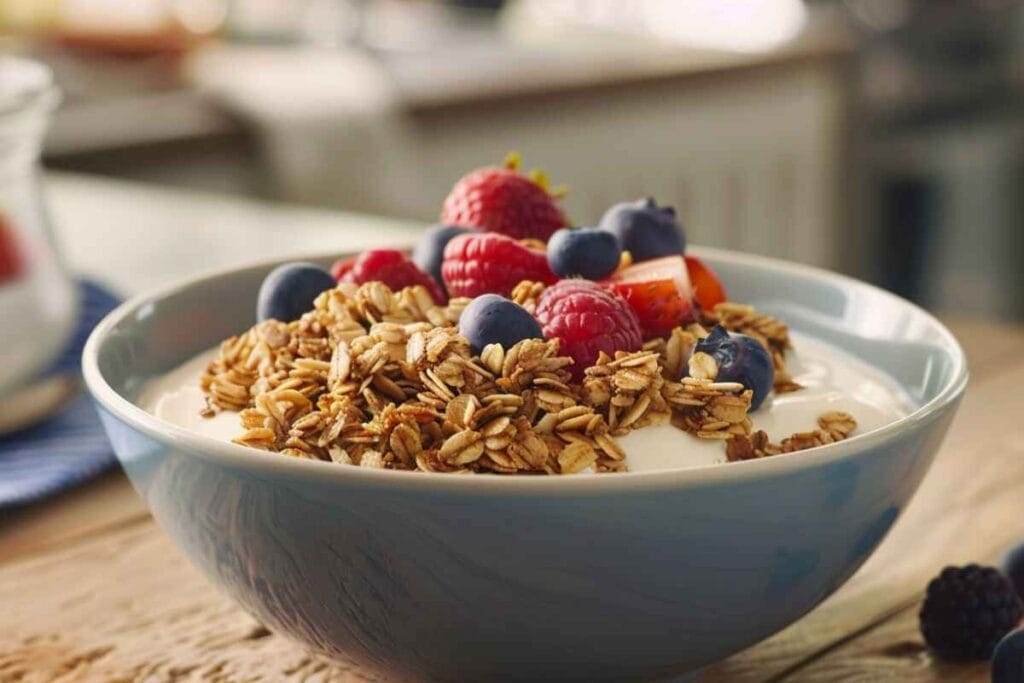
point(37, 298)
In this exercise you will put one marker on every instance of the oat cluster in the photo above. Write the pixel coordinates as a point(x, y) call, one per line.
point(377, 378)
point(832, 427)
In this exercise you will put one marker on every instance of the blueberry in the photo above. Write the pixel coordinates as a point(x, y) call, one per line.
point(429, 251)
point(493, 319)
point(1008, 659)
point(1013, 566)
point(740, 359)
point(584, 252)
point(289, 290)
point(644, 229)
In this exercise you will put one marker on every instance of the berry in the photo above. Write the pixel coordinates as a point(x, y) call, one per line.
point(489, 263)
point(429, 251)
point(289, 291)
point(391, 267)
point(1012, 565)
point(11, 263)
point(493, 319)
point(587, 319)
point(708, 291)
point(584, 252)
point(659, 292)
point(967, 610)
point(505, 201)
point(740, 359)
point(341, 268)
point(1008, 659)
point(645, 230)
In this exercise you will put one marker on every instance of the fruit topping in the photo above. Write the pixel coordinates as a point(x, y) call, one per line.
point(708, 291)
point(644, 229)
point(587, 319)
point(584, 252)
point(659, 292)
point(394, 269)
point(967, 610)
point(429, 251)
point(492, 319)
point(725, 357)
point(489, 263)
point(503, 200)
point(289, 291)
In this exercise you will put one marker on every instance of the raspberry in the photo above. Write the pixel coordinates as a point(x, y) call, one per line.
point(391, 267)
point(489, 263)
point(587, 319)
point(505, 201)
point(967, 610)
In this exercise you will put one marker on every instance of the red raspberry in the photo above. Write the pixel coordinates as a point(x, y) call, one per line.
point(505, 201)
point(587, 319)
point(489, 263)
point(391, 267)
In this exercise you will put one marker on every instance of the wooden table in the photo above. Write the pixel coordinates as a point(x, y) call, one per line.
point(91, 589)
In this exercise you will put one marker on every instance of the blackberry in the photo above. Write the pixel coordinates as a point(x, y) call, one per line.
point(967, 610)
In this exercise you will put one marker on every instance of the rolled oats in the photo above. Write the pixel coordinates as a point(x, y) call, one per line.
point(380, 379)
point(527, 294)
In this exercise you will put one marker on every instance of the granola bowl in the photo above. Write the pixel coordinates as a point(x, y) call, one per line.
point(631, 575)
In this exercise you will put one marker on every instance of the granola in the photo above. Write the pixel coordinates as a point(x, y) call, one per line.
point(832, 427)
point(376, 378)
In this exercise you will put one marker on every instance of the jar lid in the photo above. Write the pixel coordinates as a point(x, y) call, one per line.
point(24, 82)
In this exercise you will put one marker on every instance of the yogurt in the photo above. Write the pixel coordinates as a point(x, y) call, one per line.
point(832, 380)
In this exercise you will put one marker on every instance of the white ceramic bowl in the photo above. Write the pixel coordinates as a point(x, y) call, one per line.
point(589, 577)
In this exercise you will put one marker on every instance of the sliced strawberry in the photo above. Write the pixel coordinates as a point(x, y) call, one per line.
point(708, 290)
point(659, 293)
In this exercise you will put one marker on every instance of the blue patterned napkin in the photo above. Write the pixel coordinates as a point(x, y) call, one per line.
point(70, 447)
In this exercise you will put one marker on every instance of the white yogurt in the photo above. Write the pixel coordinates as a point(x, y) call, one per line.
point(832, 380)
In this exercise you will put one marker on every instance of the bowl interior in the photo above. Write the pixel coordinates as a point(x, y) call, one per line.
point(885, 331)
point(154, 333)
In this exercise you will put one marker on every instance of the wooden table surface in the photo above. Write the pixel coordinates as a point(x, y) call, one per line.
point(91, 589)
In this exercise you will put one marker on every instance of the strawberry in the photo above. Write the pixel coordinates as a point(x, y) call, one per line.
point(708, 290)
point(659, 293)
point(505, 201)
point(587, 319)
point(489, 263)
point(11, 263)
point(389, 266)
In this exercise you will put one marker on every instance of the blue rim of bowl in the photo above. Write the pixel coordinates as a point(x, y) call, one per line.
point(271, 464)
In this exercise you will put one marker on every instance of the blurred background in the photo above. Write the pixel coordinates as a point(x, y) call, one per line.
point(882, 138)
